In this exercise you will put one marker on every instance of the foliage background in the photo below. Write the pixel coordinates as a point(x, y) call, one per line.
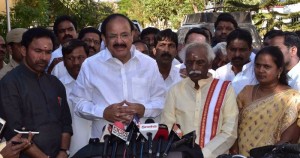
point(158, 13)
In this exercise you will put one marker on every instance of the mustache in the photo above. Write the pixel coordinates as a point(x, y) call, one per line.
point(166, 54)
point(44, 62)
point(119, 45)
point(237, 58)
point(67, 36)
point(94, 49)
point(197, 72)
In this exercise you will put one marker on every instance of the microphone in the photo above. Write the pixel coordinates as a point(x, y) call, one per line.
point(142, 139)
point(175, 134)
point(186, 139)
point(132, 128)
point(148, 130)
point(162, 134)
point(119, 134)
point(107, 129)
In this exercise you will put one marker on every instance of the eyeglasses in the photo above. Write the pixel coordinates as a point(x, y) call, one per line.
point(73, 59)
point(123, 36)
point(89, 41)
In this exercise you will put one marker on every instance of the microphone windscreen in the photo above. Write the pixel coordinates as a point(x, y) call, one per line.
point(119, 125)
point(149, 121)
point(176, 129)
point(162, 132)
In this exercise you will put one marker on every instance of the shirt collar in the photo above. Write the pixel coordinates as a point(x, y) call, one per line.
point(29, 72)
point(201, 82)
point(294, 71)
point(173, 72)
point(67, 79)
point(108, 56)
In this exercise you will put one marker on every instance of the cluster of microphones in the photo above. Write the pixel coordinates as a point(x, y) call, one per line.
point(137, 133)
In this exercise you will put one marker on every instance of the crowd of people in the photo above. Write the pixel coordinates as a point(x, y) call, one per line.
point(67, 85)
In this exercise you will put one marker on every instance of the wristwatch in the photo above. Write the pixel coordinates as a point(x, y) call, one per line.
point(65, 150)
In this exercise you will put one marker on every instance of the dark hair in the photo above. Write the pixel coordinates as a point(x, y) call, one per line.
point(149, 30)
point(60, 19)
point(278, 59)
point(111, 17)
point(166, 34)
point(298, 33)
point(241, 34)
point(209, 33)
point(138, 41)
point(226, 17)
point(37, 32)
point(290, 39)
point(69, 46)
point(197, 31)
point(89, 30)
point(271, 33)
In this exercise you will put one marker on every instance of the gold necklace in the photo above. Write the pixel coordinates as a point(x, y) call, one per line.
point(258, 86)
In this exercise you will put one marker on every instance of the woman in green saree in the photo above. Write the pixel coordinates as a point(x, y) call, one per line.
point(269, 111)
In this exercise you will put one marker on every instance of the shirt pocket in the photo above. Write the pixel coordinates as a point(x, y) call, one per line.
point(140, 90)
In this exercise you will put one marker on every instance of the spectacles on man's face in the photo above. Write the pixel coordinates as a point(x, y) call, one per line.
point(89, 41)
point(123, 36)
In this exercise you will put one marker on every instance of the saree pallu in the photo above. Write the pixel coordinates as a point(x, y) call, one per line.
point(264, 120)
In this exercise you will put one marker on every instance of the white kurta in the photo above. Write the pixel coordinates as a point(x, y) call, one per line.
point(105, 80)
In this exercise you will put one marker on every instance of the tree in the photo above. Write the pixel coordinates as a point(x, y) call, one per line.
point(270, 20)
point(30, 13)
point(160, 13)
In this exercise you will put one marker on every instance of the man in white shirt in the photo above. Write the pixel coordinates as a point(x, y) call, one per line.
point(118, 82)
point(289, 44)
point(74, 53)
point(165, 50)
point(64, 28)
point(240, 70)
point(92, 37)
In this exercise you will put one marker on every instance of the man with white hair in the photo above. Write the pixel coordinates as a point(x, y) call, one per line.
point(203, 104)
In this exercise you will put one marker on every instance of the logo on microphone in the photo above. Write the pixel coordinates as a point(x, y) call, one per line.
point(148, 126)
point(119, 133)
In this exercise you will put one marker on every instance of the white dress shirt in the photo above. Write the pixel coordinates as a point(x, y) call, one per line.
point(240, 80)
point(81, 127)
point(173, 78)
point(294, 77)
point(55, 54)
point(59, 70)
point(104, 80)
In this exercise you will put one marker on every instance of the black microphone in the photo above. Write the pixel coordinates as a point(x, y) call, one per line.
point(132, 128)
point(119, 134)
point(186, 139)
point(149, 129)
point(162, 134)
point(141, 139)
point(174, 135)
point(105, 138)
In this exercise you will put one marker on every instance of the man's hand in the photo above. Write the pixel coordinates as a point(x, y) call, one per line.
point(114, 112)
point(135, 108)
point(62, 154)
point(13, 150)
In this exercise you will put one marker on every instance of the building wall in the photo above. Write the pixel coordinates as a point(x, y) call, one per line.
point(3, 5)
